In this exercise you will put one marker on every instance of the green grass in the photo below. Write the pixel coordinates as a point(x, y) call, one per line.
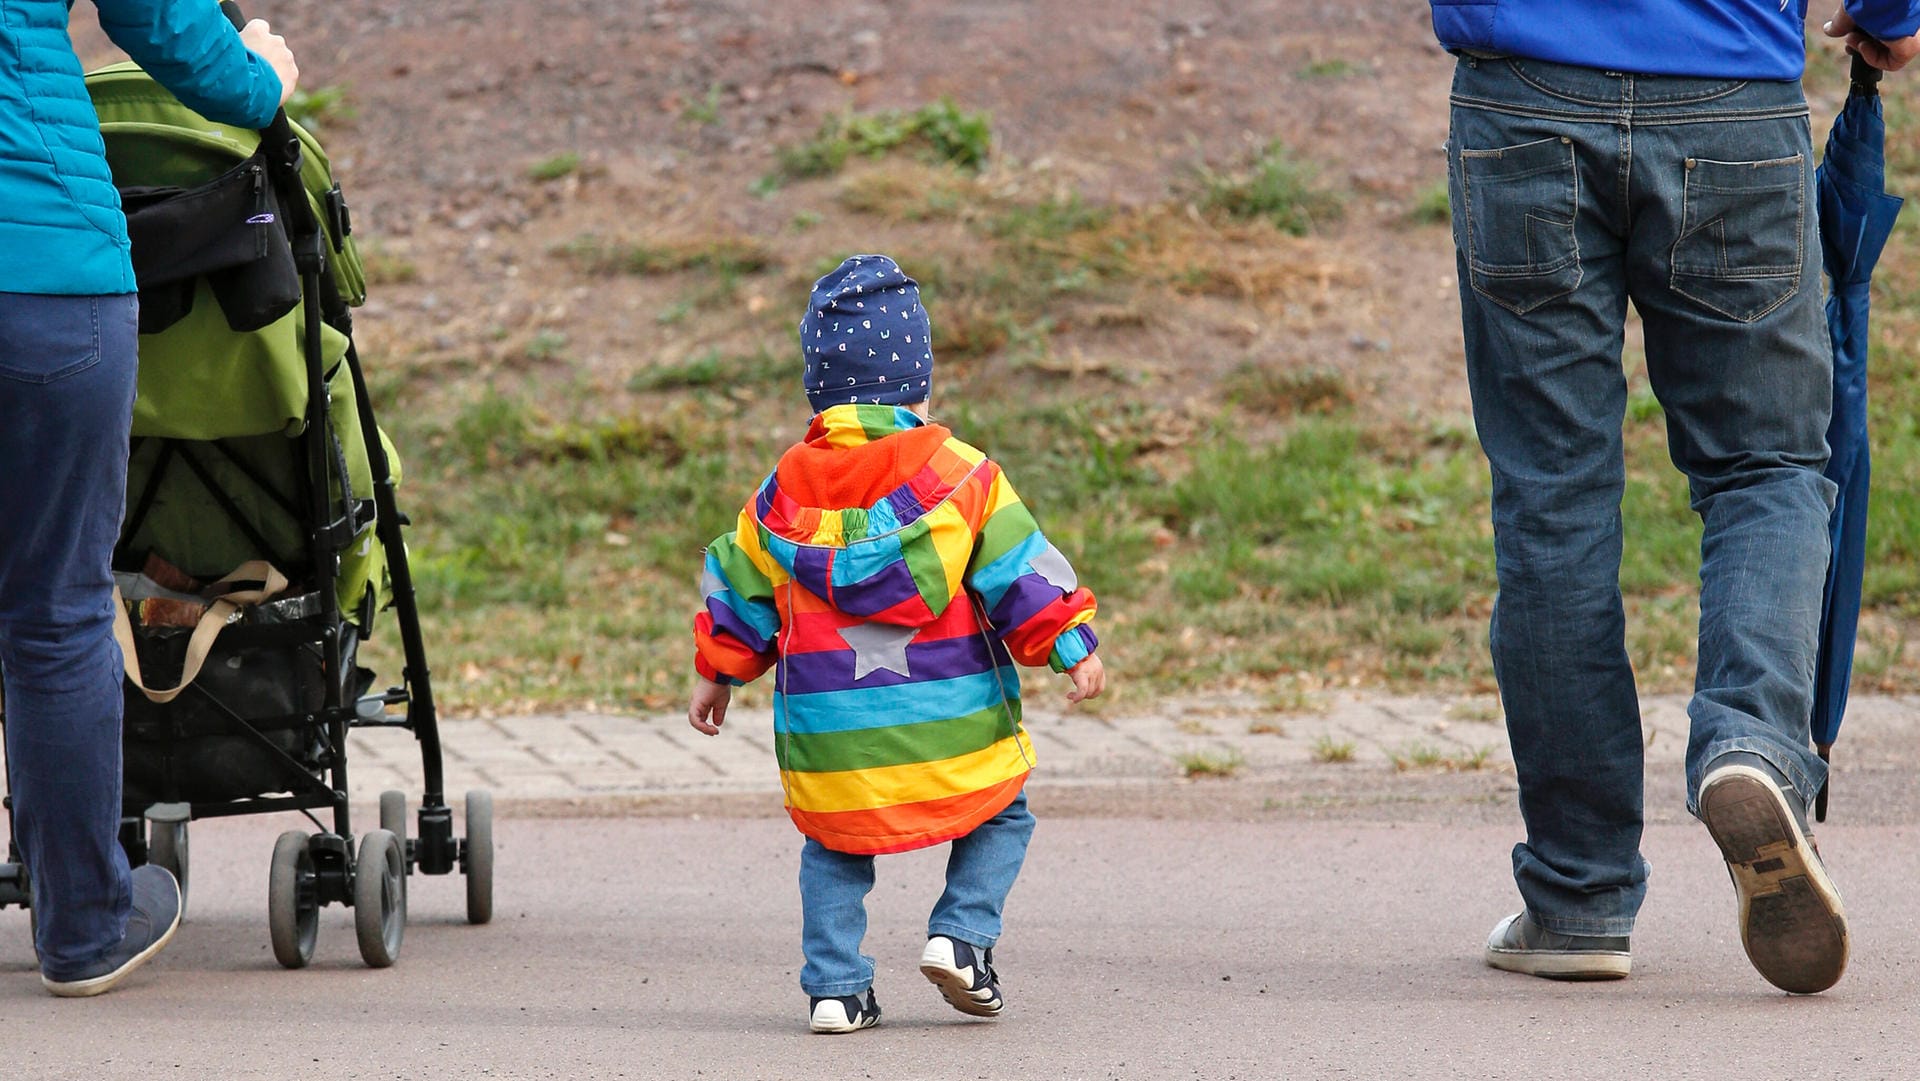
point(1433, 206)
point(1292, 541)
point(1425, 756)
point(1334, 68)
point(727, 256)
point(1328, 750)
point(940, 132)
point(706, 111)
point(314, 109)
point(1219, 764)
point(1275, 187)
point(553, 168)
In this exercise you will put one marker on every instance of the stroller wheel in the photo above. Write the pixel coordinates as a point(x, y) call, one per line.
point(167, 847)
point(476, 856)
point(380, 898)
point(393, 813)
point(293, 901)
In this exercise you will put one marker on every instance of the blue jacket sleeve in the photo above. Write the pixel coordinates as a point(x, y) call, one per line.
point(192, 50)
point(1888, 20)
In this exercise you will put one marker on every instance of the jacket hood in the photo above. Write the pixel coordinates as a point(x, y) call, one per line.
point(860, 513)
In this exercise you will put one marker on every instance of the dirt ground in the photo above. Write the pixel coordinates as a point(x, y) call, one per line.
point(1118, 101)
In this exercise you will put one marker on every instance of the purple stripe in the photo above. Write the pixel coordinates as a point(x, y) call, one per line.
point(906, 505)
point(832, 670)
point(813, 568)
point(726, 622)
point(1023, 600)
point(878, 592)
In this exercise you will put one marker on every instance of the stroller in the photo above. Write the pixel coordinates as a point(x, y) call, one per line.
point(256, 465)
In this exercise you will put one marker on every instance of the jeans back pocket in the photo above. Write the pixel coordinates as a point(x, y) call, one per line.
point(44, 339)
point(1742, 244)
point(1520, 202)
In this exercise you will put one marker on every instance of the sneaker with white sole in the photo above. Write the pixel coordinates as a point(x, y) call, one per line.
point(1791, 921)
point(964, 976)
point(150, 926)
point(1520, 945)
point(844, 1013)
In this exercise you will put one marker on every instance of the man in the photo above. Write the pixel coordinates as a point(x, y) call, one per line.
point(1658, 152)
point(68, 324)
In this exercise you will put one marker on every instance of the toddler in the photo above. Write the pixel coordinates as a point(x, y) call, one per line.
point(891, 578)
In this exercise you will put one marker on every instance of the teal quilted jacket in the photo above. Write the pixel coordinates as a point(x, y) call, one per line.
point(61, 231)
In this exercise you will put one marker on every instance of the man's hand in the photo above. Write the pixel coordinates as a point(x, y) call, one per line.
point(1885, 55)
point(709, 709)
point(1089, 679)
point(272, 48)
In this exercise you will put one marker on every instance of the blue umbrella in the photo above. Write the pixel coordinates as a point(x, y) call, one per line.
point(1856, 217)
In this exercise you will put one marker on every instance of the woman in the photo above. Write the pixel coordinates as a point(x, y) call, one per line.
point(68, 319)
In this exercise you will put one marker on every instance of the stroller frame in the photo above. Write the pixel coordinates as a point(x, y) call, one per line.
point(311, 871)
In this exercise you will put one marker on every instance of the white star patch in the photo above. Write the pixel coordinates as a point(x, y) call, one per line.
point(878, 646)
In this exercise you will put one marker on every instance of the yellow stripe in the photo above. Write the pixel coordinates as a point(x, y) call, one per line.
point(831, 529)
point(915, 782)
point(952, 540)
point(1000, 496)
point(746, 537)
point(966, 453)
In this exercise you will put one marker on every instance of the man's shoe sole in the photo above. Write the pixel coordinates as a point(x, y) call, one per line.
point(101, 984)
point(956, 986)
point(1791, 921)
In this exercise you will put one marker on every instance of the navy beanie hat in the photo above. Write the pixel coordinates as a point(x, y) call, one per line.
point(865, 337)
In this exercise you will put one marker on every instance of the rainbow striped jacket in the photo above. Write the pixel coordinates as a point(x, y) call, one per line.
point(891, 577)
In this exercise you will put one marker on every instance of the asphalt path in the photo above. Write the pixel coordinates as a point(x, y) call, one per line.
point(1256, 942)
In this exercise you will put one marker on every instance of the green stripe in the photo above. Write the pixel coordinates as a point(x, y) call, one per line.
point(743, 576)
point(923, 562)
point(878, 421)
point(1002, 533)
point(871, 748)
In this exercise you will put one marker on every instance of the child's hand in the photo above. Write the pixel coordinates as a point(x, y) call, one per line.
point(709, 709)
point(1089, 679)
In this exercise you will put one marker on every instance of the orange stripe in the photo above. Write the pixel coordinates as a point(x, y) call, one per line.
point(907, 826)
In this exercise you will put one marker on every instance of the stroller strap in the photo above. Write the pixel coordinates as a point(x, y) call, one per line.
point(226, 608)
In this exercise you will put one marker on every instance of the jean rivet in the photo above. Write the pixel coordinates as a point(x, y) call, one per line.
point(1566, 140)
point(1690, 163)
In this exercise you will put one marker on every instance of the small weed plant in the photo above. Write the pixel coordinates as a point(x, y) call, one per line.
point(940, 132)
point(1276, 187)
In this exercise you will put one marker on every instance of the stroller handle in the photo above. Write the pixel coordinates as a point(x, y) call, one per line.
point(277, 132)
point(282, 154)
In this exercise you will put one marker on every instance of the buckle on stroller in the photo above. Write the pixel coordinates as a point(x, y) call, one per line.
point(339, 217)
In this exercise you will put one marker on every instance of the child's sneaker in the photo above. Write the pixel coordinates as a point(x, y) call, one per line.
point(845, 1013)
point(964, 976)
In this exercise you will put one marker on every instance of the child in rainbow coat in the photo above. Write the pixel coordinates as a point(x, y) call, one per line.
point(891, 577)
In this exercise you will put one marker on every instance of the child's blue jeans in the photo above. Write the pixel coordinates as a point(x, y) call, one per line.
point(833, 893)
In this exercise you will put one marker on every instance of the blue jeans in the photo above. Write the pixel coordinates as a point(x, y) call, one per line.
point(67, 367)
point(834, 886)
point(1574, 192)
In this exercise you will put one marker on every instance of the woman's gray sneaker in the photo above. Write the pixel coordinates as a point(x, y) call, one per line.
point(844, 1013)
point(150, 926)
point(964, 976)
point(1520, 945)
point(1791, 921)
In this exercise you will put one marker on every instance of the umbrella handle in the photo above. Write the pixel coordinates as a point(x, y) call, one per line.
point(1866, 77)
point(1820, 798)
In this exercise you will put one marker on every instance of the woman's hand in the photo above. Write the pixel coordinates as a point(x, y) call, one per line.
point(272, 48)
